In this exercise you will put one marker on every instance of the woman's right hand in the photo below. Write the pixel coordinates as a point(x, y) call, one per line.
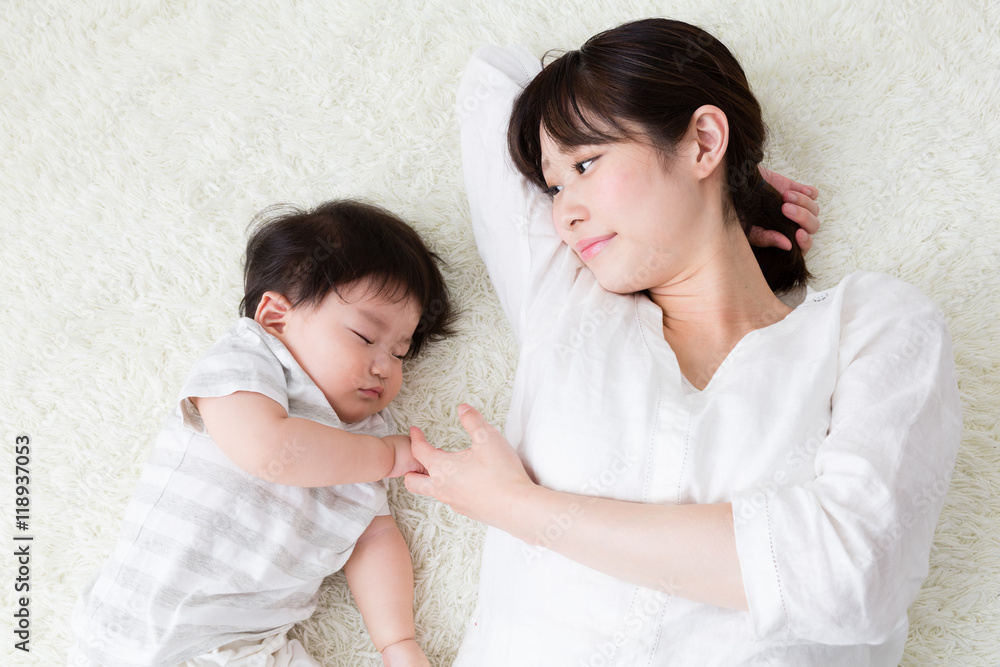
point(800, 207)
point(482, 482)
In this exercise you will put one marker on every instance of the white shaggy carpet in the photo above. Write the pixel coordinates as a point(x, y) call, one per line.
point(137, 140)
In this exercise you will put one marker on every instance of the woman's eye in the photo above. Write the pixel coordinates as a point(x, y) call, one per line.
point(580, 168)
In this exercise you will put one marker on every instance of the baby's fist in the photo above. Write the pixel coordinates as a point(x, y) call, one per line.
point(404, 461)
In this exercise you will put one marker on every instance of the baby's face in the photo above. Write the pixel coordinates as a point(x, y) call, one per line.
point(353, 348)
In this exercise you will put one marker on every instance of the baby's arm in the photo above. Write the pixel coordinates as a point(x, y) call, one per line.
point(380, 574)
point(257, 434)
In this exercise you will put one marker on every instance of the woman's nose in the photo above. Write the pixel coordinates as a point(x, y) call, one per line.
point(569, 210)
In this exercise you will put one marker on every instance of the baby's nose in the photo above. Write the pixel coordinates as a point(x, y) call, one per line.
point(380, 364)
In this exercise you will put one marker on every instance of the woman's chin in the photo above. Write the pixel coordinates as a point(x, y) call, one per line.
point(617, 284)
point(631, 275)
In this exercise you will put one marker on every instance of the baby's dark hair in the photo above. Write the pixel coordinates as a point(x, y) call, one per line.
point(304, 255)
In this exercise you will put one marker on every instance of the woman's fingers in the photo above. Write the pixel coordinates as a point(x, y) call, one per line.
point(799, 199)
point(767, 238)
point(478, 482)
point(802, 210)
point(783, 183)
point(418, 483)
point(436, 466)
point(800, 206)
point(474, 424)
point(805, 241)
point(423, 451)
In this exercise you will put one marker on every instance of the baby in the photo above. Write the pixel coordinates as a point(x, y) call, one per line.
point(267, 475)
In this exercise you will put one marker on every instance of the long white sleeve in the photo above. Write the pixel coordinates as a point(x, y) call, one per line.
point(839, 559)
point(511, 218)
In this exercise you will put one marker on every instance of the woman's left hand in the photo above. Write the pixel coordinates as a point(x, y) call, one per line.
point(482, 482)
point(800, 207)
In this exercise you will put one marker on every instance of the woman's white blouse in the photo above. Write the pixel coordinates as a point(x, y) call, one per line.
point(833, 433)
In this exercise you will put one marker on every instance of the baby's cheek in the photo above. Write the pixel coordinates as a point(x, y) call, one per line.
point(392, 390)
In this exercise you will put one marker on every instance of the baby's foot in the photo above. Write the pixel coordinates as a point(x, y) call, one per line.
point(405, 653)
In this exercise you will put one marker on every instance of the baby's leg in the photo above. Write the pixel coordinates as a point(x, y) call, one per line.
point(404, 654)
point(380, 575)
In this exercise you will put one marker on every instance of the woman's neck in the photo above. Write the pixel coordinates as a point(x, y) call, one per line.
point(714, 303)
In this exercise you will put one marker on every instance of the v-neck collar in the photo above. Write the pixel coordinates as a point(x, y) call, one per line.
point(651, 320)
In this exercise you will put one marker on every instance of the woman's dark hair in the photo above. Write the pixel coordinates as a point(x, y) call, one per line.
point(304, 255)
point(652, 75)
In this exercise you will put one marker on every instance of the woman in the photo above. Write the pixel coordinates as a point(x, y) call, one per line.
point(700, 473)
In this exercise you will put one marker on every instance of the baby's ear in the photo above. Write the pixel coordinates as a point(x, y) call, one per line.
point(272, 312)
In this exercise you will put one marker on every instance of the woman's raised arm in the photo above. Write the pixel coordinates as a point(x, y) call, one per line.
point(511, 219)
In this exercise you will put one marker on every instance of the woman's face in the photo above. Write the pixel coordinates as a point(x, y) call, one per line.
point(632, 221)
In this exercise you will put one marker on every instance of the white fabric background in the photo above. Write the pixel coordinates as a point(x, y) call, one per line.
point(137, 140)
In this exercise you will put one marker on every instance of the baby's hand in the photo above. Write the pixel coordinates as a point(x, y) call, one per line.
point(404, 456)
point(404, 654)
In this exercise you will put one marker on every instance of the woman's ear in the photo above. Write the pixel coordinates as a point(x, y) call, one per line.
point(272, 312)
point(710, 129)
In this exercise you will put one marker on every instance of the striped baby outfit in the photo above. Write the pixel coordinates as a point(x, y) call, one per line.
point(209, 553)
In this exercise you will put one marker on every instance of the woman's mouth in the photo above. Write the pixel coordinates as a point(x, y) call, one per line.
point(588, 248)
